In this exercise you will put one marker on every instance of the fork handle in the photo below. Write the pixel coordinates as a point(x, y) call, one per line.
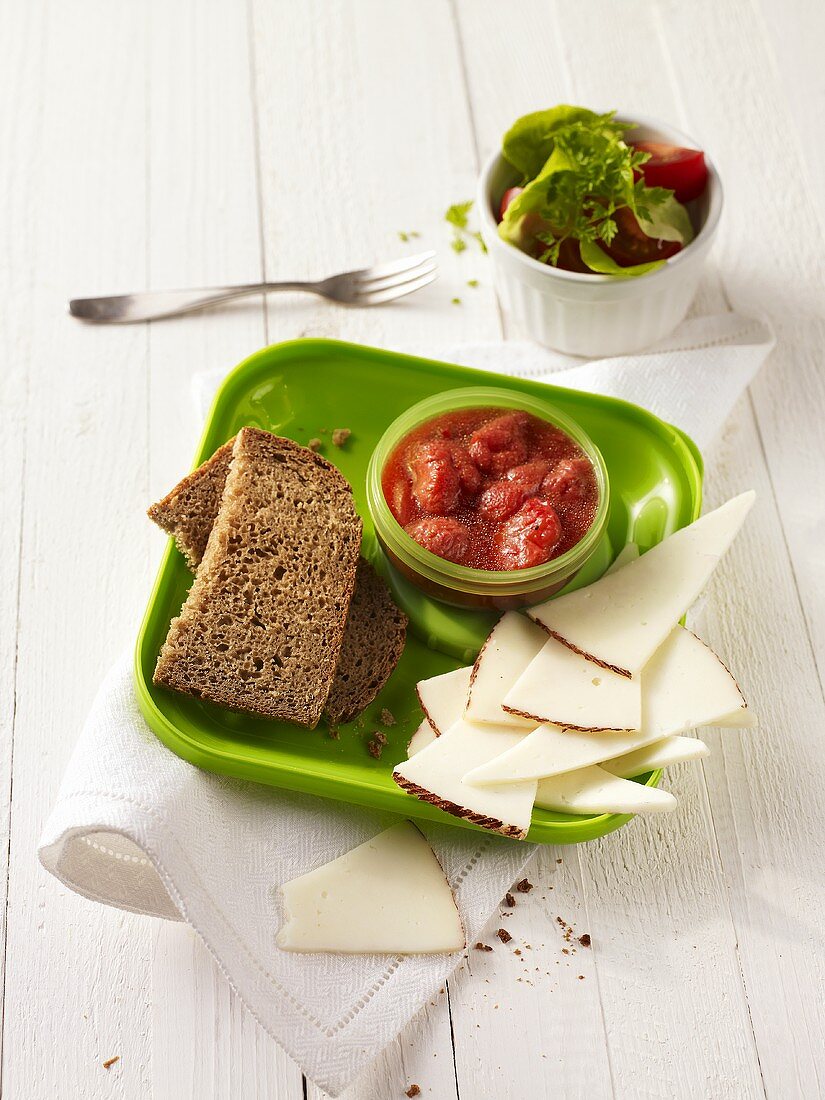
point(152, 305)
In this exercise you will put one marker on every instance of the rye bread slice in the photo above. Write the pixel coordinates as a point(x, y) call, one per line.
point(373, 644)
point(188, 512)
point(262, 626)
point(376, 630)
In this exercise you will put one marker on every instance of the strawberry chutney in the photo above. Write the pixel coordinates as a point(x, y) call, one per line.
point(491, 488)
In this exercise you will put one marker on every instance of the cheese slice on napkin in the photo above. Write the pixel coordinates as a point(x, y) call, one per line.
point(389, 894)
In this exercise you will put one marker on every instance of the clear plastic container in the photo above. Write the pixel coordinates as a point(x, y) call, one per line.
point(461, 585)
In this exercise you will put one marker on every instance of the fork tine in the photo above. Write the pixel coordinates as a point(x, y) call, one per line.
point(387, 282)
point(381, 271)
point(377, 298)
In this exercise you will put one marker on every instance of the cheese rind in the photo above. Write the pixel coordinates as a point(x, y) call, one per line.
point(659, 754)
point(436, 775)
point(683, 687)
point(444, 697)
point(621, 620)
point(594, 790)
point(388, 895)
point(565, 689)
point(512, 644)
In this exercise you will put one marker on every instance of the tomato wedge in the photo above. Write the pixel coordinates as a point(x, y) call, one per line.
point(681, 170)
point(631, 245)
point(508, 196)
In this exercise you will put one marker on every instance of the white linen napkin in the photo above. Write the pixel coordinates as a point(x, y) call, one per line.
point(138, 828)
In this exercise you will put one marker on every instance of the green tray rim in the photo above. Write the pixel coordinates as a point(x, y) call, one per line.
point(293, 778)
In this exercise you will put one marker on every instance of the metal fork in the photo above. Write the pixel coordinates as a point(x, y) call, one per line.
point(371, 286)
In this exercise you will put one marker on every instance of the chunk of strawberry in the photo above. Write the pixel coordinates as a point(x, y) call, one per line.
point(504, 497)
point(529, 537)
point(401, 501)
point(570, 481)
point(442, 535)
point(435, 481)
point(500, 444)
point(468, 473)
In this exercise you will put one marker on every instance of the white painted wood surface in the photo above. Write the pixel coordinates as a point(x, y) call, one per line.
point(185, 143)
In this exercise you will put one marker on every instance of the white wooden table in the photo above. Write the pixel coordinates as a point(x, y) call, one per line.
point(176, 142)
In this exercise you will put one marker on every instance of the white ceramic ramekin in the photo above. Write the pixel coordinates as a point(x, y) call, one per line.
point(596, 315)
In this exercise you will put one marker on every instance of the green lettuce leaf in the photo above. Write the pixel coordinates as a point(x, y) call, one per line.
point(529, 141)
point(602, 264)
point(666, 218)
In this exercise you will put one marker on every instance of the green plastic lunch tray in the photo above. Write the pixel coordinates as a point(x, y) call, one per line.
point(306, 388)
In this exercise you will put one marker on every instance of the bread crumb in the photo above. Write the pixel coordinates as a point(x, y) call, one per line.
point(504, 935)
point(315, 444)
point(585, 939)
point(558, 860)
point(413, 1090)
point(334, 734)
point(524, 887)
point(387, 717)
point(340, 436)
point(380, 737)
point(375, 748)
point(581, 977)
point(509, 900)
point(111, 1061)
point(483, 947)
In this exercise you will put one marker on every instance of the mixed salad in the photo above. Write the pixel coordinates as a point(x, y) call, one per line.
point(593, 200)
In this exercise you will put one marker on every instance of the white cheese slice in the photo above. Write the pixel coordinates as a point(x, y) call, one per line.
point(660, 754)
point(565, 689)
point(444, 697)
point(511, 646)
point(596, 791)
point(389, 894)
point(684, 686)
point(622, 619)
point(628, 553)
point(436, 775)
point(423, 736)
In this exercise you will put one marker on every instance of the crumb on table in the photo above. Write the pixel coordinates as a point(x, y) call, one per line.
point(413, 1090)
point(111, 1061)
point(315, 444)
point(525, 886)
point(340, 436)
point(504, 935)
point(387, 717)
point(483, 947)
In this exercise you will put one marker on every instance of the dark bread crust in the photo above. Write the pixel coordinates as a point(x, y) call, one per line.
point(262, 626)
point(376, 630)
point(493, 824)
